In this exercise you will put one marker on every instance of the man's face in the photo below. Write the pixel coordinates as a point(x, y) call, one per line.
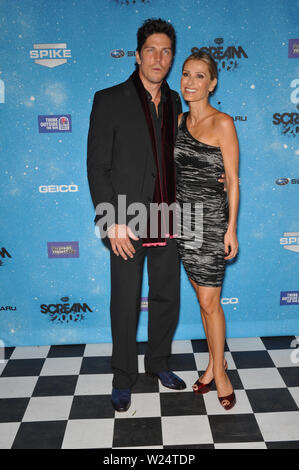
point(155, 58)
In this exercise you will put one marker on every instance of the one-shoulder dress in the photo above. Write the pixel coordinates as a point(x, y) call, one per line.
point(198, 193)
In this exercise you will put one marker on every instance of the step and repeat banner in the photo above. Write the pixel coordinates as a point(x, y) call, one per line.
point(54, 270)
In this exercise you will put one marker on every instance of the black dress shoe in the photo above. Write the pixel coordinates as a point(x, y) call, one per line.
point(169, 379)
point(121, 399)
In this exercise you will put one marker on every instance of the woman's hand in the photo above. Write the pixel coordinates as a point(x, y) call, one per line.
point(230, 244)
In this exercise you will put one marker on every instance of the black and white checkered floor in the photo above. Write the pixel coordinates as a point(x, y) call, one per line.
point(59, 397)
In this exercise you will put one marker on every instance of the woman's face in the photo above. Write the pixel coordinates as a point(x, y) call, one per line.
point(196, 81)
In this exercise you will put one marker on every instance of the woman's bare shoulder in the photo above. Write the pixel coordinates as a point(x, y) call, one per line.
point(225, 127)
point(223, 120)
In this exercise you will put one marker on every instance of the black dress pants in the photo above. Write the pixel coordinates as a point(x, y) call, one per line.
point(163, 309)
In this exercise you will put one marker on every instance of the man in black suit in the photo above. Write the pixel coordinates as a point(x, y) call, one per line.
point(131, 138)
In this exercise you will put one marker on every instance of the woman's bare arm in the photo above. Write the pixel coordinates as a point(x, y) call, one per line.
point(230, 151)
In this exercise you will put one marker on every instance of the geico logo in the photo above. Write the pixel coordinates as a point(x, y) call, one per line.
point(286, 118)
point(50, 54)
point(233, 300)
point(62, 188)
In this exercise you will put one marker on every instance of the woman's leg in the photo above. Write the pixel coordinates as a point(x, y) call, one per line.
point(209, 298)
point(208, 375)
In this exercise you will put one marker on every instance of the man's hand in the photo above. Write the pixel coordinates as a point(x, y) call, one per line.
point(120, 242)
point(223, 180)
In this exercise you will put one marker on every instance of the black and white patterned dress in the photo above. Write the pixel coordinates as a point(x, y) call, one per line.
point(198, 167)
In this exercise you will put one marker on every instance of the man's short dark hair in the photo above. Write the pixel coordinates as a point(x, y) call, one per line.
point(154, 26)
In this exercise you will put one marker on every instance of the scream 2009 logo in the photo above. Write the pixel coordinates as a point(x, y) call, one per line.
point(289, 121)
point(226, 57)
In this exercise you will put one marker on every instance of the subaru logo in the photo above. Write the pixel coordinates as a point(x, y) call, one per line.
point(282, 181)
point(117, 53)
point(218, 40)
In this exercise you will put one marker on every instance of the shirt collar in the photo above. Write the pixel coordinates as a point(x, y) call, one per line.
point(163, 96)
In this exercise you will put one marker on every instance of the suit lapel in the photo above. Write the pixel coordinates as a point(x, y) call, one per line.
point(134, 104)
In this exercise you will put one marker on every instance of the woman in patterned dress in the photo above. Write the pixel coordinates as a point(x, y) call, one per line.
point(207, 146)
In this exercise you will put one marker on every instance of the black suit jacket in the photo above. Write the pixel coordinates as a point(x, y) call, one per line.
point(120, 158)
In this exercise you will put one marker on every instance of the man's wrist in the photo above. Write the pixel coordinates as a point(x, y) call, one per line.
point(109, 228)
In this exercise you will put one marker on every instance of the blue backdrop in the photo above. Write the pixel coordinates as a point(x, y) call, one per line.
point(54, 271)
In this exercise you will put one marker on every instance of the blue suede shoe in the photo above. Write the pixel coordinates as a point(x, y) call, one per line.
point(121, 399)
point(169, 379)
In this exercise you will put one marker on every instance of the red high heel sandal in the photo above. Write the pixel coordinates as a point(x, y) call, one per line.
point(231, 399)
point(205, 388)
point(201, 387)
